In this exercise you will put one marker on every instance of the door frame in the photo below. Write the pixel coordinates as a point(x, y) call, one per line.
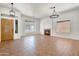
point(9, 17)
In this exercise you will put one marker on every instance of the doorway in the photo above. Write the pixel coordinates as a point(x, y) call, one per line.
point(7, 29)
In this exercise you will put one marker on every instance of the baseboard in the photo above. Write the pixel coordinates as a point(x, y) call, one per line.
point(74, 37)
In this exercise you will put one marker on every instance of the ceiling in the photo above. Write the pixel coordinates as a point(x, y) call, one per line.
point(40, 10)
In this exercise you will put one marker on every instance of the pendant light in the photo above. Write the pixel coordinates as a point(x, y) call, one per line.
point(12, 12)
point(54, 14)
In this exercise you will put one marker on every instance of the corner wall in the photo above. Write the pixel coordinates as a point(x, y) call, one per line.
point(45, 23)
point(37, 24)
point(72, 15)
point(6, 11)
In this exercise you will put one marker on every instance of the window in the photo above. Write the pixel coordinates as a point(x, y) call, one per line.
point(16, 26)
point(30, 27)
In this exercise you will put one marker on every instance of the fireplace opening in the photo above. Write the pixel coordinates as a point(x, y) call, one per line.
point(47, 32)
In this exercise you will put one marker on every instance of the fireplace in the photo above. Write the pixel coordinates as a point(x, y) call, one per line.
point(47, 32)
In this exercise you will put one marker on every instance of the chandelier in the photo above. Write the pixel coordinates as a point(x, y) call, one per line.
point(54, 14)
point(12, 12)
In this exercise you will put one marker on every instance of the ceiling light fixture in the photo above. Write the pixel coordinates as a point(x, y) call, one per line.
point(12, 12)
point(54, 14)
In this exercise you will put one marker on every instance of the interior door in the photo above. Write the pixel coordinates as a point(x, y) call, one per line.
point(7, 29)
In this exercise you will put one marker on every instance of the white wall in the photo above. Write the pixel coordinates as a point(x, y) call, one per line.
point(37, 24)
point(6, 11)
point(45, 23)
point(72, 15)
point(20, 19)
